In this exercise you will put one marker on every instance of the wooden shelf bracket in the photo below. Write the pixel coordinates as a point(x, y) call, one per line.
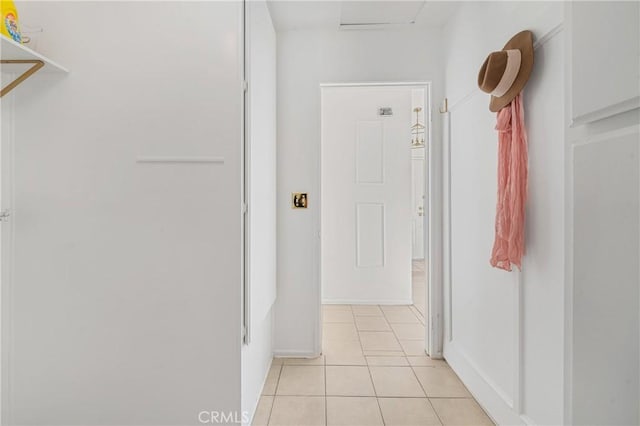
point(37, 64)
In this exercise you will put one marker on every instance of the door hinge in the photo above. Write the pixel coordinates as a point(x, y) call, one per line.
point(245, 208)
point(4, 215)
point(245, 86)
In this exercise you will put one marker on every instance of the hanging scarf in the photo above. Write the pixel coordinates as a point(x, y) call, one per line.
point(508, 247)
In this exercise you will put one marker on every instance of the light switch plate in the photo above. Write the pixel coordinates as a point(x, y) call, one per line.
point(299, 200)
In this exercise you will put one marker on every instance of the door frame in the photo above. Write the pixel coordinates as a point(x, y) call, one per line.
point(432, 238)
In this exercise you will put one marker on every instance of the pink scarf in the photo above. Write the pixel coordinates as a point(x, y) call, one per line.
point(508, 247)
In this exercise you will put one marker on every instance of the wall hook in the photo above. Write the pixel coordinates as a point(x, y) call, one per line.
point(446, 106)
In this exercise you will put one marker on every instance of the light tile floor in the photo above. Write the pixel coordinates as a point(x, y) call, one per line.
point(373, 371)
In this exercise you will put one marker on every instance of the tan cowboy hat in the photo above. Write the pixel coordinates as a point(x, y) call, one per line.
point(505, 73)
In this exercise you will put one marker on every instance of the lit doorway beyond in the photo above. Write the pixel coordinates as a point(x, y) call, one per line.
point(373, 216)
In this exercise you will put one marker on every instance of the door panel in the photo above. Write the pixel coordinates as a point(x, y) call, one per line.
point(366, 195)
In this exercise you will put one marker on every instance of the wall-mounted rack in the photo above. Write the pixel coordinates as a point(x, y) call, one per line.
point(13, 59)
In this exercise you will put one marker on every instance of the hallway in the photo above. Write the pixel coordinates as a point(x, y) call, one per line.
point(268, 212)
point(373, 371)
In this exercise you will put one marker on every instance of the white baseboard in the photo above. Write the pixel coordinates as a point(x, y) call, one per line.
point(493, 400)
point(255, 405)
point(366, 302)
point(294, 354)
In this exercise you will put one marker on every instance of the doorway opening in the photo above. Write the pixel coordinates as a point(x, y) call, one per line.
point(374, 243)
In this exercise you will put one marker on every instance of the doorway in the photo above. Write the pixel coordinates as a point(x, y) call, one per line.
point(374, 233)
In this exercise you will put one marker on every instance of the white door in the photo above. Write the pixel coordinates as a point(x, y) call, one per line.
point(366, 195)
point(417, 202)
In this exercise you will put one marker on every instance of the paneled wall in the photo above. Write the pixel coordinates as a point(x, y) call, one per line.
point(603, 220)
point(605, 51)
point(504, 334)
point(124, 299)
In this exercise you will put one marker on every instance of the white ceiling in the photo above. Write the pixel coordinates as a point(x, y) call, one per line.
point(330, 14)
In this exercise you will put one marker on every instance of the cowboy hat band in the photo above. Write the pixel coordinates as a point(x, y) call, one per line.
point(499, 72)
point(510, 73)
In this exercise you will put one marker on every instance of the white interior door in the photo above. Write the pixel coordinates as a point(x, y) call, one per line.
point(417, 202)
point(366, 195)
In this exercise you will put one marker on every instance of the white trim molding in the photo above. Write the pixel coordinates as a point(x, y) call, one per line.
point(366, 302)
point(608, 111)
point(295, 354)
point(433, 228)
point(376, 83)
point(180, 159)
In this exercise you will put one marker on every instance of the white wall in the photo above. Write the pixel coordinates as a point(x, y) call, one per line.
point(306, 59)
point(603, 214)
point(261, 132)
point(125, 300)
point(505, 330)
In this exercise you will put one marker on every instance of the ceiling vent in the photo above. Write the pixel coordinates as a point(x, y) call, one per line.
point(373, 26)
point(365, 15)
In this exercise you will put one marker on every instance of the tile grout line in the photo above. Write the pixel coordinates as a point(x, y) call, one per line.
point(402, 354)
point(453, 397)
point(428, 397)
point(273, 398)
point(426, 394)
point(408, 365)
point(326, 414)
point(418, 315)
point(394, 332)
point(416, 374)
point(326, 401)
point(419, 382)
point(275, 391)
point(424, 326)
point(435, 411)
point(373, 385)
